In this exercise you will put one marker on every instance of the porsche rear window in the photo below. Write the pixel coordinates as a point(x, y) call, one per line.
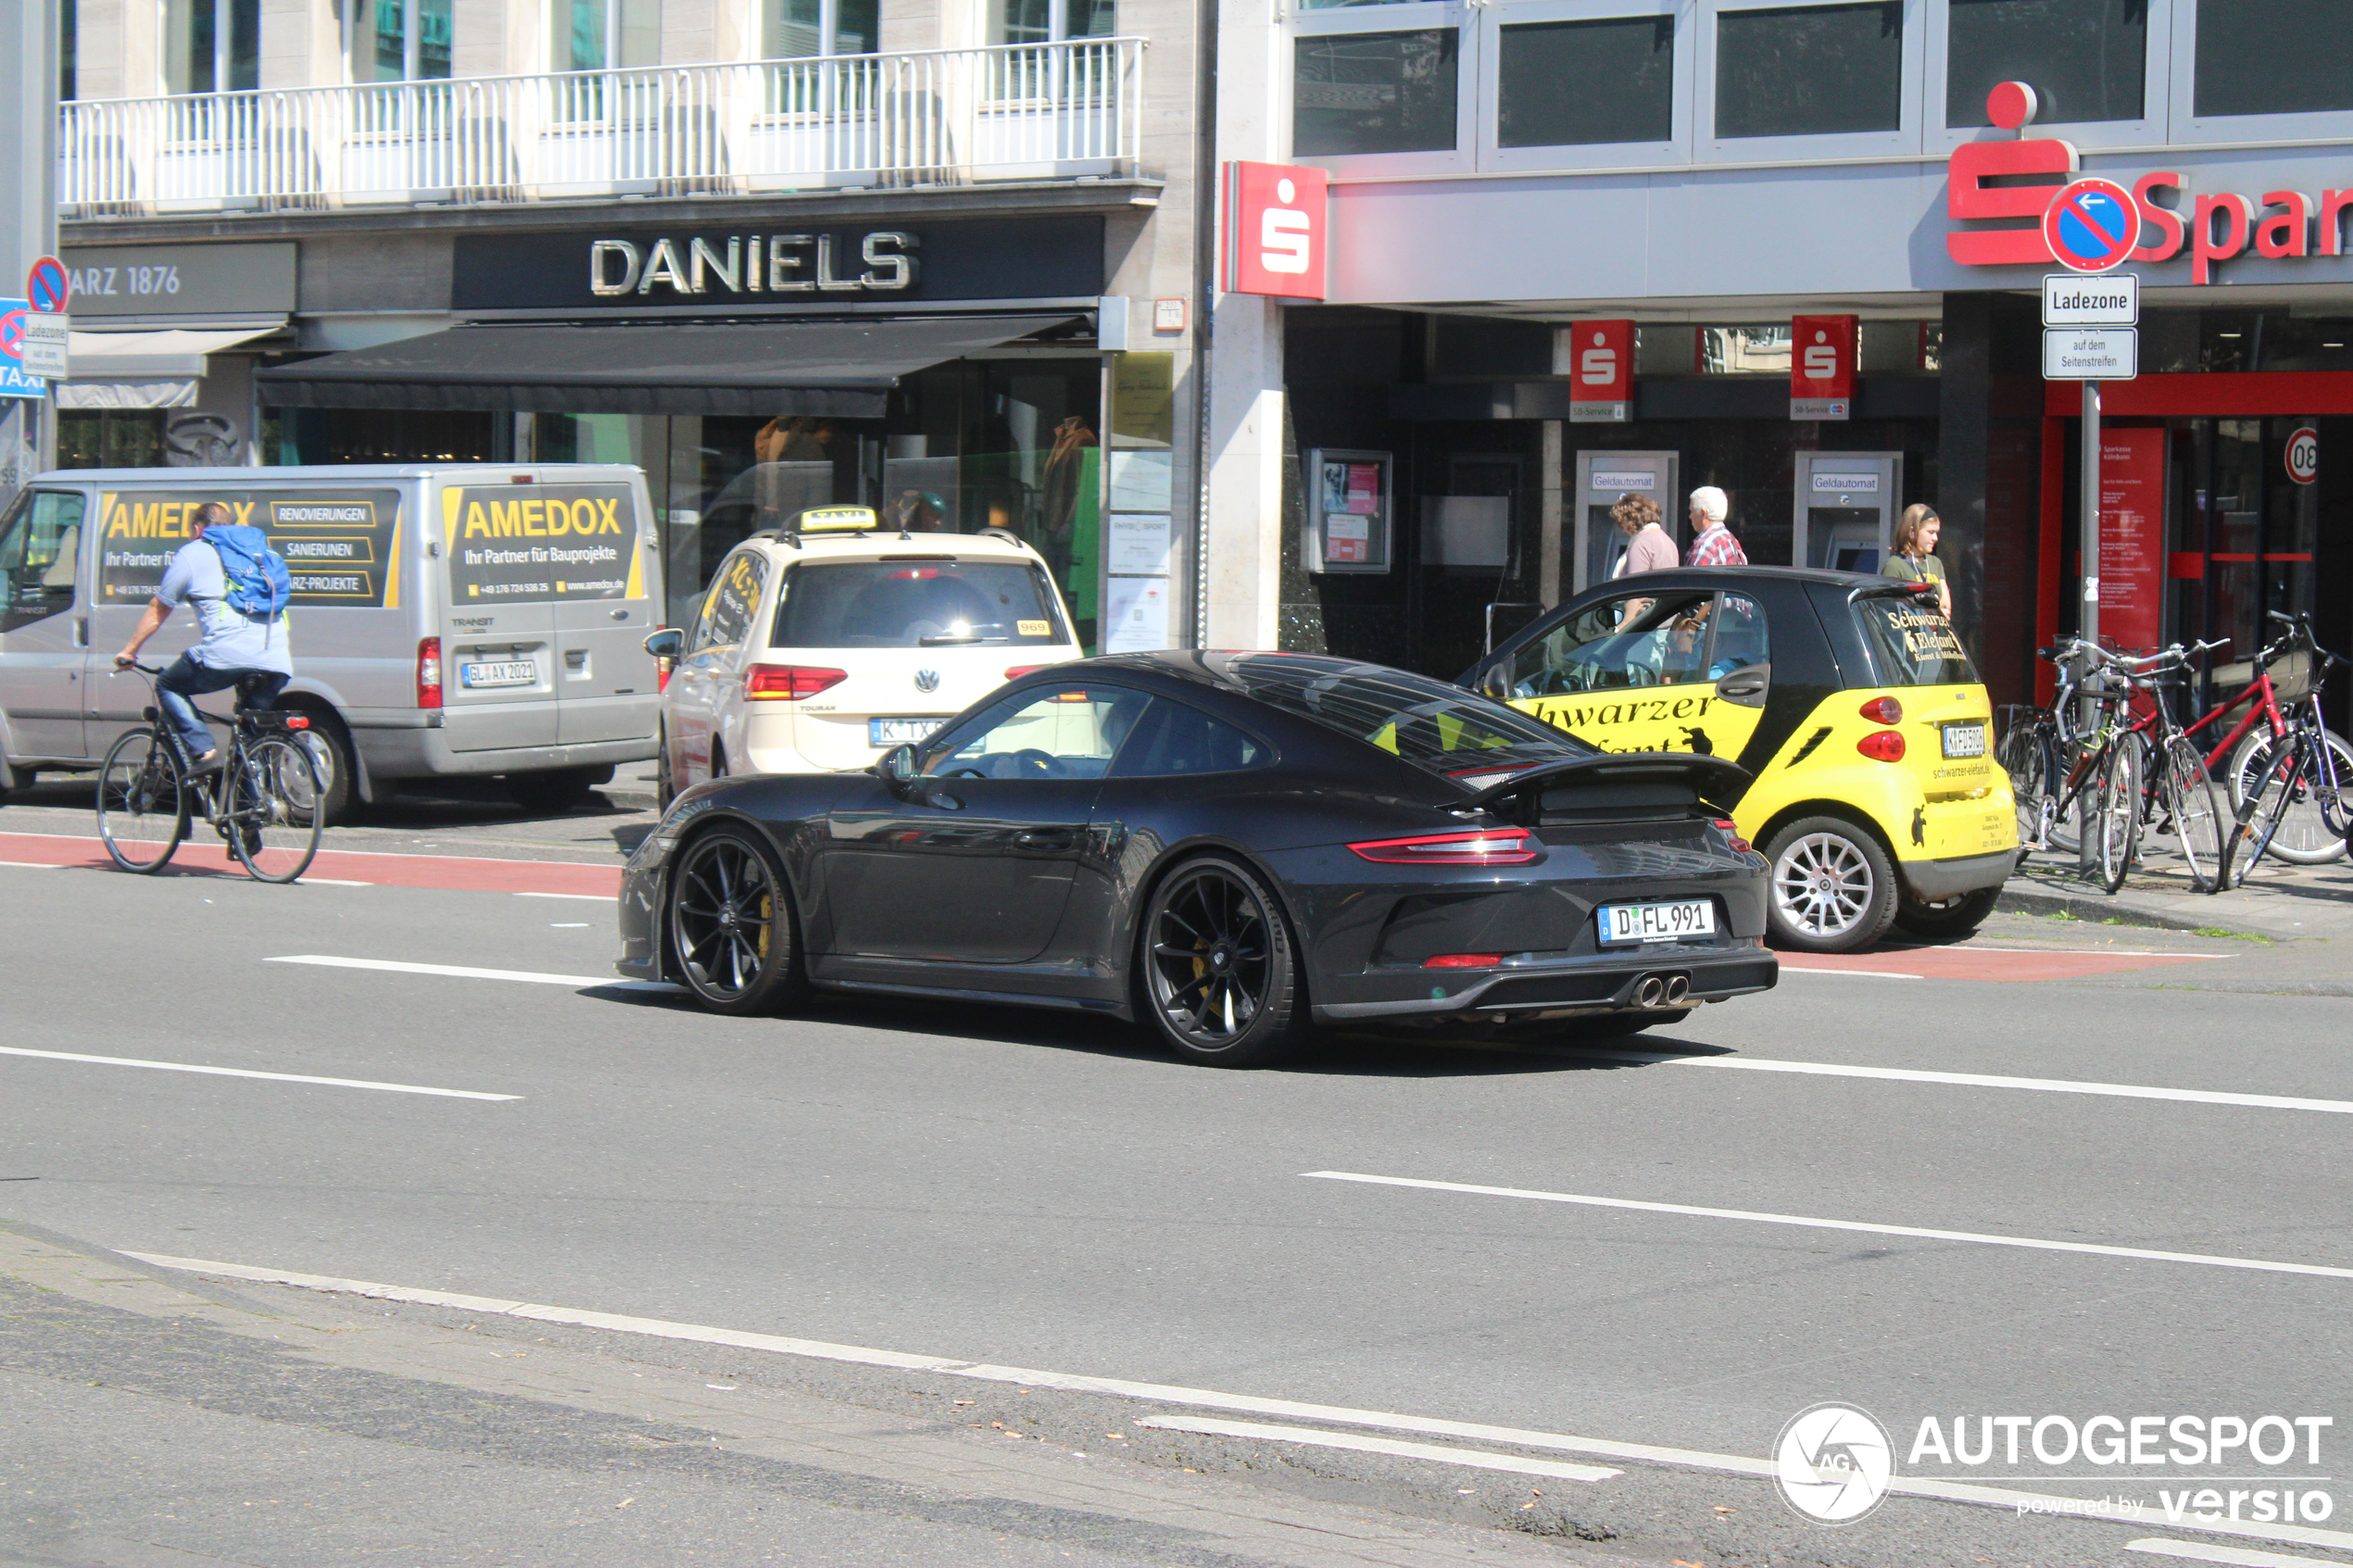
point(911, 602)
point(1911, 643)
point(1442, 728)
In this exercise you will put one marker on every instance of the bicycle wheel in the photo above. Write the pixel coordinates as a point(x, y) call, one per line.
point(143, 805)
point(2029, 757)
point(2310, 827)
point(2196, 812)
point(273, 816)
point(2113, 809)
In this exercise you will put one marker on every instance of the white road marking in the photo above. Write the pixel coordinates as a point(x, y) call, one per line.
point(1476, 1459)
point(334, 881)
point(2036, 1244)
point(2199, 1551)
point(593, 897)
point(460, 971)
point(2074, 952)
point(1171, 1394)
point(1789, 968)
point(1984, 1081)
point(243, 1072)
point(33, 865)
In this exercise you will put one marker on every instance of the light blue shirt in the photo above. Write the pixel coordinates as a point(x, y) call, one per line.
point(231, 640)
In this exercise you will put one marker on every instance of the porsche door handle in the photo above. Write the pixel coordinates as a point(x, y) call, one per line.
point(1046, 840)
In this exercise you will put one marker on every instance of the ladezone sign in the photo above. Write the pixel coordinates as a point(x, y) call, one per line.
point(2216, 227)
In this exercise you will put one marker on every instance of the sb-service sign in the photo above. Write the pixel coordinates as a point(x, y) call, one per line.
point(342, 547)
point(2092, 225)
point(511, 543)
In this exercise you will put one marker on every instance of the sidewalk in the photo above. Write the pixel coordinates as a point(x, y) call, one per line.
point(2279, 901)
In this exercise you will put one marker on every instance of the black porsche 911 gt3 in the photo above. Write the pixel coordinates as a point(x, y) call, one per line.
point(1234, 845)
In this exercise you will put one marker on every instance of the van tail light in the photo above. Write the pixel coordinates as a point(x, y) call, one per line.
point(1884, 746)
point(1884, 711)
point(1018, 670)
point(429, 673)
point(789, 682)
point(1463, 960)
point(1496, 846)
point(1730, 830)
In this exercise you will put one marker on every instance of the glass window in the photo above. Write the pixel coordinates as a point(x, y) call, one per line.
point(2273, 57)
point(398, 40)
point(1442, 728)
point(1177, 740)
point(795, 30)
point(1049, 21)
point(1374, 92)
point(604, 34)
point(2085, 58)
point(68, 47)
point(1625, 641)
point(1911, 645)
point(908, 602)
point(1066, 733)
point(734, 600)
point(38, 547)
point(212, 45)
point(1573, 83)
point(1809, 71)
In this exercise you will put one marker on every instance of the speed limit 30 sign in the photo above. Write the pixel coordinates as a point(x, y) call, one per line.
point(2304, 455)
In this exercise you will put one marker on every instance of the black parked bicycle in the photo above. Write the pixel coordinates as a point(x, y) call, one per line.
point(263, 800)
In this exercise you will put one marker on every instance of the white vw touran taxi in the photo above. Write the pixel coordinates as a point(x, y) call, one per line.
point(823, 643)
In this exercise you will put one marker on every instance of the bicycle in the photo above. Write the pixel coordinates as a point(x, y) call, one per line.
point(2177, 793)
point(2307, 831)
point(2099, 775)
point(263, 800)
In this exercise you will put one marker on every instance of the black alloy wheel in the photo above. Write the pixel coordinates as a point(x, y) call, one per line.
point(732, 931)
point(1219, 975)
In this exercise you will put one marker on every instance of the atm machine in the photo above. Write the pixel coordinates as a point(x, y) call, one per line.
point(1846, 504)
point(1602, 479)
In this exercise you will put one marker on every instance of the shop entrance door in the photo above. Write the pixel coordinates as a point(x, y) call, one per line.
point(1845, 507)
point(1603, 480)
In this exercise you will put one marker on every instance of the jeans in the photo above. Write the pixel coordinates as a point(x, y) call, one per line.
point(188, 679)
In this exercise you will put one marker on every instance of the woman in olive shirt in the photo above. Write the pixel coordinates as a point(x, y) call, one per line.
point(1914, 557)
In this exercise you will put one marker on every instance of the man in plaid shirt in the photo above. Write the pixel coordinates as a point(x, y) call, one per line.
point(1712, 543)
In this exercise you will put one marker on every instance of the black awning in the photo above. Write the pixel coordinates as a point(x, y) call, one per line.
point(838, 368)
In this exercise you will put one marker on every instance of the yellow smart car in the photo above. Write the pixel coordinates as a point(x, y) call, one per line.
point(1848, 699)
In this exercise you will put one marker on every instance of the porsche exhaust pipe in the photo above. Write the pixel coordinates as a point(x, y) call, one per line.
point(1651, 992)
point(1678, 990)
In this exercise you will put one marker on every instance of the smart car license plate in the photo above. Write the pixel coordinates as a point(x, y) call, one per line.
point(1657, 922)
point(1965, 740)
point(507, 672)
point(900, 731)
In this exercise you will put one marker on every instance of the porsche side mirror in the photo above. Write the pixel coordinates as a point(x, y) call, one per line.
point(896, 767)
point(667, 643)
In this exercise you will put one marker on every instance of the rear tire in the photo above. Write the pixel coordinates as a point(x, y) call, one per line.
point(1831, 888)
point(329, 744)
point(2112, 812)
point(2306, 835)
point(1948, 919)
point(732, 935)
point(2029, 757)
point(273, 809)
point(2194, 808)
point(1216, 972)
point(142, 803)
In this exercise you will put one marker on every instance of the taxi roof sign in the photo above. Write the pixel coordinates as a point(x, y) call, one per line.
point(833, 520)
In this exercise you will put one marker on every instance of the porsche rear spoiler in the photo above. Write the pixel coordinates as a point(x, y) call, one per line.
point(1717, 782)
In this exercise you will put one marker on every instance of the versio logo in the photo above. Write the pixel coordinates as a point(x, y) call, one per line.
point(1833, 1463)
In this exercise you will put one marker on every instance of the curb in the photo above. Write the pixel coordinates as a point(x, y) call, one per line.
point(2101, 907)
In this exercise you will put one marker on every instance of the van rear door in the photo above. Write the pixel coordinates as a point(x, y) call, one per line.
point(608, 597)
point(498, 676)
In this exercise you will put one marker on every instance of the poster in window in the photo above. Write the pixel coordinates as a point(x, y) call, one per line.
point(1363, 489)
point(2132, 536)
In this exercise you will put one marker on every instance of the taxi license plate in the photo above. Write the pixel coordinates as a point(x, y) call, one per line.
point(900, 732)
point(508, 672)
point(1657, 922)
point(1965, 740)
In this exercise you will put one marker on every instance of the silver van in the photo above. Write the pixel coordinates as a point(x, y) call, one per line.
point(484, 619)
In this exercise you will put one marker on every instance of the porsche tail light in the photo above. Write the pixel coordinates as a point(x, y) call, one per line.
point(789, 682)
point(429, 673)
point(1884, 711)
point(1463, 960)
point(1884, 746)
point(1730, 830)
point(1495, 847)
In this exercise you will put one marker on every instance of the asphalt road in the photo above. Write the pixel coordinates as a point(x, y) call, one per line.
point(1019, 1189)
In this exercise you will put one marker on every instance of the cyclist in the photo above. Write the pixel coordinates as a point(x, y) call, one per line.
point(248, 652)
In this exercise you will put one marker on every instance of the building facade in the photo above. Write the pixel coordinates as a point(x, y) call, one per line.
point(934, 257)
point(1715, 188)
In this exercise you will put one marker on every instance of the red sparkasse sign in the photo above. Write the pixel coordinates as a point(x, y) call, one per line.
point(1275, 229)
point(1601, 371)
point(2132, 555)
point(1821, 366)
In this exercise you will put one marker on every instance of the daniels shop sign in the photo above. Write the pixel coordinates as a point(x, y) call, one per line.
point(2003, 190)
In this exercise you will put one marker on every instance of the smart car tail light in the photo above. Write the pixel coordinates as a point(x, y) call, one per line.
point(1884, 746)
point(1884, 711)
point(429, 673)
point(789, 682)
point(1495, 847)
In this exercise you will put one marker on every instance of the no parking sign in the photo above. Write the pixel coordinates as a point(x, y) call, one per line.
point(2092, 225)
point(48, 288)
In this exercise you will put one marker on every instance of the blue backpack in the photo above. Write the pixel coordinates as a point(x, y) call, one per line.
point(259, 583)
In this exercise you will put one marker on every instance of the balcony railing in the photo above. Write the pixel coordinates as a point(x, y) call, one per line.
point(1036, 112)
